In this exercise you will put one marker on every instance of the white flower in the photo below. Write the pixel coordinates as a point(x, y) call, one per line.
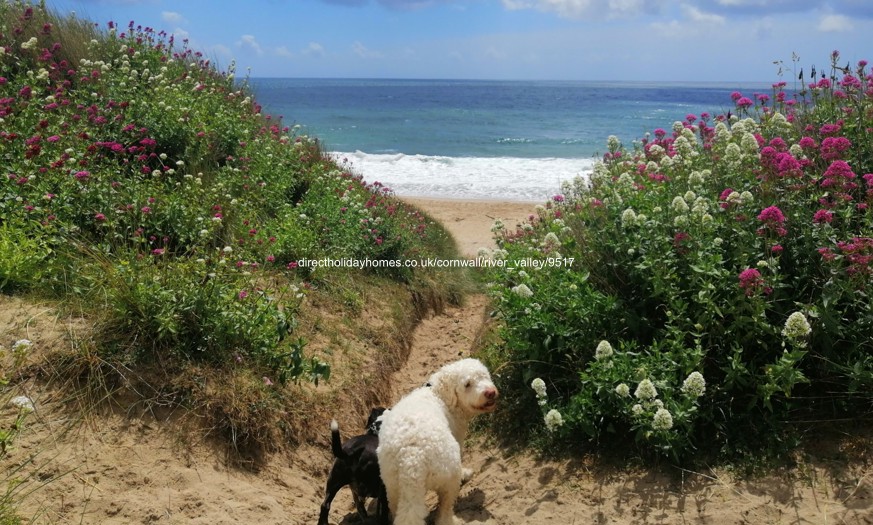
point(553, 420)
point(227, 249)
point(694, 385)
point(637, 409)
point(662, 420)
point(30, 43)
point(539, 386)
point(551, 240)
point(628, 218)
point(22, 345)
point(522, 290)
point(603, 351)
point(679, 205)
point(796, 328)
point(613, 143)
point(23, 403)
point(645, 390)
point(622, 390)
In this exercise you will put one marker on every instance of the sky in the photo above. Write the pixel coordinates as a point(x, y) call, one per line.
point(622, 40)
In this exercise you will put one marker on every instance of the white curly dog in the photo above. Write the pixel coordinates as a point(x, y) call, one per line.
point(421, 439)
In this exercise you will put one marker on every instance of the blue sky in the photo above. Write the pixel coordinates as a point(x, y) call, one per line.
point(641, 40)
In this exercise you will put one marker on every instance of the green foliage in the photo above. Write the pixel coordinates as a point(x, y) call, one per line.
point(736, 250)
point(139, 176)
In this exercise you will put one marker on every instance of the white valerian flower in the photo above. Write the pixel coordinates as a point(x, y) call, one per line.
point(22, 345)
point(637, 409)
point(603, 351)
point(553, 420)
point(694, 385)
point(796, 328)
point(539, 387)
point(628, 218)
point(662, 420)
point(679, 205)
point(613, 143)
point(30, 44)
point(551, 240)
point(227, 249)
point(622, 390)
point(23, 403)
point(646, 390)
point(522, 290)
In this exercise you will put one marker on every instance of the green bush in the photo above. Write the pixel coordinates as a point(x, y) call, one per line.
point(726, 264)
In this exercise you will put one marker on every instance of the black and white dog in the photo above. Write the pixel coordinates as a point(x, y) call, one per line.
point(357, 466)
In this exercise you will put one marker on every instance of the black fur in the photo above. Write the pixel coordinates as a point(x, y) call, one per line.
point(357, 466)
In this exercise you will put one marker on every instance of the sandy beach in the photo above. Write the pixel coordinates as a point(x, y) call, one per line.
point(470, 221)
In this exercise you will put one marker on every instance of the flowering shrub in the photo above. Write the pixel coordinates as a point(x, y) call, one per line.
point(139, 176)
point(727, 264)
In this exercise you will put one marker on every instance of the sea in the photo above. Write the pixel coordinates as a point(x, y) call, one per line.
point(475, 139)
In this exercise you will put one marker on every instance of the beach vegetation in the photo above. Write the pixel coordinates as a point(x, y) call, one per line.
point(143, 187)
point(727, 263)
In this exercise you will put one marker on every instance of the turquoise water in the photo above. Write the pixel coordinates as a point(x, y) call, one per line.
point(481, 139)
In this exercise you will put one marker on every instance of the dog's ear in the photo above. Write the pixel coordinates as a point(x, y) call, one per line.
point(445, 387)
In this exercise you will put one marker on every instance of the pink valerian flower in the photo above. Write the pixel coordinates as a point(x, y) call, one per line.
point(858, 253)
point(823, 217)
point(773, 220)
point(146, 210)
point(99, 217)
point(832, 148)
point(744, 103)
point(839, 175)
point(751, 281)
point(807, 143)
point(242, 294)
point(776, 249)
point(82, 175)
point(158, 251)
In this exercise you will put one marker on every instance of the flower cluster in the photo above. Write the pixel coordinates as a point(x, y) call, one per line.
point(693, 249)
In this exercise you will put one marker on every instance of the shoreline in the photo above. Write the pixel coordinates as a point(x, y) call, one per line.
point(470, 220)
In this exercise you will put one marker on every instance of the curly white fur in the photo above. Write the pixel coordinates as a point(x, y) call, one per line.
point(421, 439)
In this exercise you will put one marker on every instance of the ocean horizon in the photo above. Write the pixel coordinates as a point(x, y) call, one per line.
point(482, 139)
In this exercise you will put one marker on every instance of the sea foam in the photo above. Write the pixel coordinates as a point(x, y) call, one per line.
point(487, 178)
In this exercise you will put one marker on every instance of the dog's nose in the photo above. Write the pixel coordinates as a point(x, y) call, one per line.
point(491, 393)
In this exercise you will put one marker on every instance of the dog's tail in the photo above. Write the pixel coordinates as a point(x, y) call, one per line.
point(336, 444)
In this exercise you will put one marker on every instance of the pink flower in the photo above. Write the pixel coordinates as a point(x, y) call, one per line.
point(750, 281)
point(158, 251)
point(242, 294)
point(99, 217)
point(53, 138)
point(745, 102)
point(822, 217)
point(145, 209)
point(832, 148)
point(776, 249)
point(292, 265)
point(773, 219)
point(82, 175)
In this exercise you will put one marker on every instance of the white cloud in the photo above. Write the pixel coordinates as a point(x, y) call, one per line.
point(584, 8)
point(172, 17)
point(250, 43)
point(835, 24)
point(314, 49)
point(668, 29)
point(362, 51)
point(699, 17)
point(283, 51)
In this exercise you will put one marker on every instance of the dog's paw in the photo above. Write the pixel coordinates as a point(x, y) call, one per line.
point(466, 475)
